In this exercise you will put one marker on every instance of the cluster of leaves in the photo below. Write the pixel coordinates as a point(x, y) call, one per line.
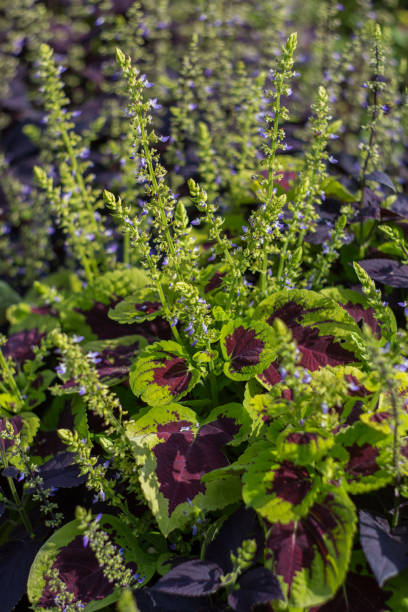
point(211, 364)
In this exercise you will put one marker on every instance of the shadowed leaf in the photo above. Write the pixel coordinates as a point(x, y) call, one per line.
point(387, 554)
point(192, 579)
point(241, 525)
point(61, 472)
point(386, 271)
point(257, 586)
point(16, 558)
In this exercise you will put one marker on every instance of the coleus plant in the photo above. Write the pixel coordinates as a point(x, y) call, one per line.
point(222, 416)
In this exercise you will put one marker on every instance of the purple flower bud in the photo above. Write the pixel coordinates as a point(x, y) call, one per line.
point(85, 541)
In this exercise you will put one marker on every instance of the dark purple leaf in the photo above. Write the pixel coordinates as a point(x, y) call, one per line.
point(10, 472)
point(303, 437)
point(381, 178)
point(386, 271)
point(400, 206)
point(191, 579)
point(20, 346)
point(172, 372)
point(363, 315)
point(362, 462)
point(271, 375)
point(387, 554)
point(292, 548)
point(16, 558)
point(316, 351)
point(113, 363)
point(291, 483)
point(149, 600)
point(321, 234)
point(61, 472)
point(257, 586)
point(370, 208)
point(182, 459)
point(214, 282)
point(294, 545)
point(106, 329)
point(241, 525)
point(352, 417)
point(244, 348)
point(44, 310)
point(79, 569)
point(359, 593)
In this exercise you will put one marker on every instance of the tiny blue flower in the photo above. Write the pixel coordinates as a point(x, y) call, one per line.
point(61, 369)
point(153, 103)
point(94, 356)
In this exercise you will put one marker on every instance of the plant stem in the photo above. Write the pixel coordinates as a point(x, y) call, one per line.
point(16, 498)
point(374, 116)
point(81, 185)
point(156, 190)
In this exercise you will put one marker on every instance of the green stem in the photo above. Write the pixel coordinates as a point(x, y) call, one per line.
point(126, 248)
point(271, 173)
point(16, 498)
point(9, 378)
point(156, 190)
point(370, 142)
point(396, 460)
point(163, 300)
